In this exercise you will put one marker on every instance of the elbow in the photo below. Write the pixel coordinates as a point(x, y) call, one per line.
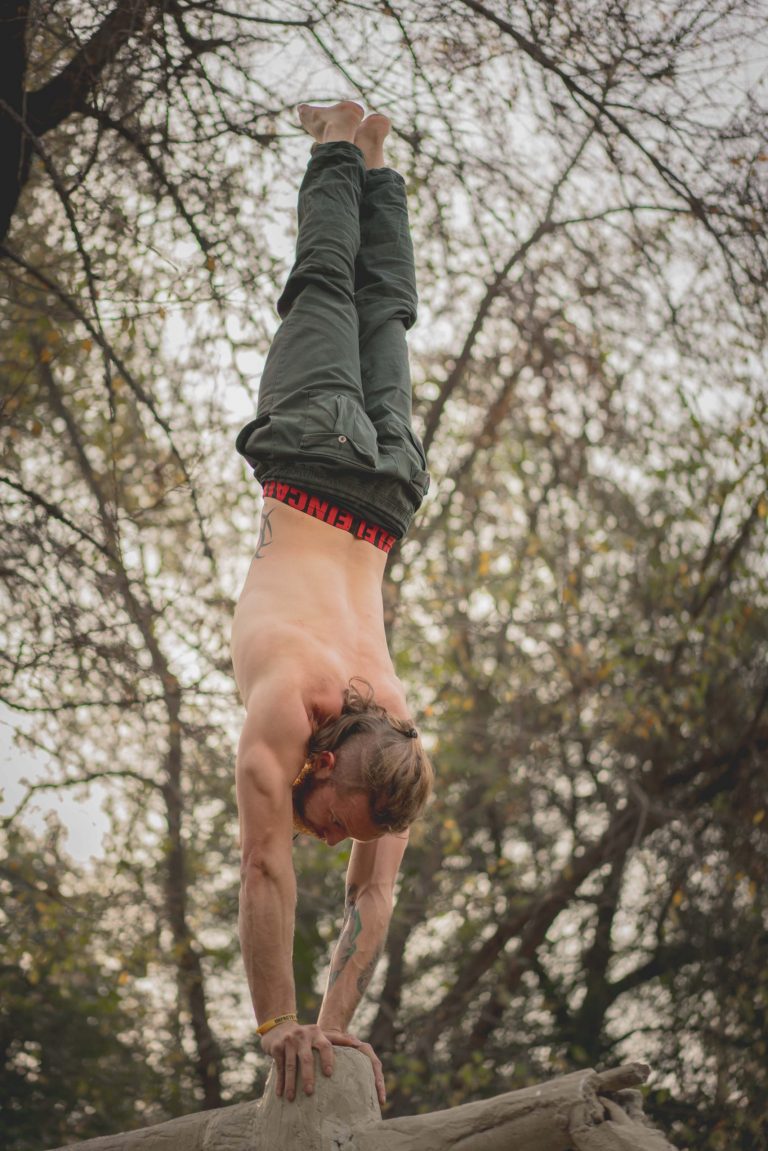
point(379, 897)
point(266, 861)
point(265, 827)
point(256, 866)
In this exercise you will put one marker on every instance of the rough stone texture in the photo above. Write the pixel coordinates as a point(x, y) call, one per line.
point(619, 1132)
point(584, 1111)
point(324, 1121)
point(543, 1118)
point(228, 1129)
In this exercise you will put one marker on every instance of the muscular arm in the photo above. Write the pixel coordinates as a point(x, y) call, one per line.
point(267, 887)
point(269, 756)
point(368, 909)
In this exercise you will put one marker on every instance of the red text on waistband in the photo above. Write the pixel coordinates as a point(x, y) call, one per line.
point(321, 508)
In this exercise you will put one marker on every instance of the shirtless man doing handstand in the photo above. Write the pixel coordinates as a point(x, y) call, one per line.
point(328, 745)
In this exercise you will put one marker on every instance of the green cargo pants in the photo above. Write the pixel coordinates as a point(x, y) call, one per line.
point(334, 408)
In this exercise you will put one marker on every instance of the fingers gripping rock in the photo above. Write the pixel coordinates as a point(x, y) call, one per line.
point(292, 1046)
point(346, 1099)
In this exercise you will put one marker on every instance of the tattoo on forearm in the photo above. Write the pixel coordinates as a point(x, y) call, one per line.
point(350, 929)
point(364, 978)
point(265, 534)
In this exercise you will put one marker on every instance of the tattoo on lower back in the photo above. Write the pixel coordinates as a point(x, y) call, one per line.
point(265, 534)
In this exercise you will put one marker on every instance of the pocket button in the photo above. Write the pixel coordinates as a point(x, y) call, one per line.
point(342, 439)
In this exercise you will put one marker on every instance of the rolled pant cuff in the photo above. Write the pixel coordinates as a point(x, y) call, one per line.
point(380, 498)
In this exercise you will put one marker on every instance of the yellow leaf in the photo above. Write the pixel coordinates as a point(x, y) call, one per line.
point(210, 263)
point(483, 564)
point(36, 428)
point(86, 345)
point(46, 355)
point(123, 978)
point(677, 898)
point(758, 817)
point(762, 509)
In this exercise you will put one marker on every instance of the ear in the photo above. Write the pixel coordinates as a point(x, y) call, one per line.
point(324, 765)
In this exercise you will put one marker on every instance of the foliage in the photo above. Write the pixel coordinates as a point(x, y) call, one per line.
point(71, 1019)
point(579, 614)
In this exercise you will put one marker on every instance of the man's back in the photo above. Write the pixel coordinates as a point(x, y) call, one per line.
point(311, 615)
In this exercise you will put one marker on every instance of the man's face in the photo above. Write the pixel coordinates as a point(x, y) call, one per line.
point(331, 815)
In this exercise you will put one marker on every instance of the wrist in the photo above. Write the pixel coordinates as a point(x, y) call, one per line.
point(268, 1024)
point(329, 1024)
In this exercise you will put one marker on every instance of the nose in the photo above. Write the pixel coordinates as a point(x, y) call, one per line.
point(334, 836)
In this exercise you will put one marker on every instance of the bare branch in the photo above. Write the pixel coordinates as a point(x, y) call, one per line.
point(66, 93)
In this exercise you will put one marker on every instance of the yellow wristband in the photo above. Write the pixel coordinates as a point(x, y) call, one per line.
point(291, 1017)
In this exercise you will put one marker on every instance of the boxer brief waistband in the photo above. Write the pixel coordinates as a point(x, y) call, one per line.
point(328, 512)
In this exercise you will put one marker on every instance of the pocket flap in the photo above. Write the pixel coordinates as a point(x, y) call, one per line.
point(337, 423)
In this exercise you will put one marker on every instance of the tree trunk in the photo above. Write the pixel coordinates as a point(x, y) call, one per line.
point(14, 146)
point(584, 1111)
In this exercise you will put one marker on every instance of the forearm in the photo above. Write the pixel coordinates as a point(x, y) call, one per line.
point(360, 945)
point(267, 915)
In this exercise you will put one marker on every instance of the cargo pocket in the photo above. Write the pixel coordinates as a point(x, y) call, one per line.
point(400, 443)
point(254, 441)
point(337, 429)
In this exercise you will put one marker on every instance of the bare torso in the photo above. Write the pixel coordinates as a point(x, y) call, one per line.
point(311, 614)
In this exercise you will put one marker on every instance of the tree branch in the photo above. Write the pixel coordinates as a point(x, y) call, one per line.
point(88, 777)
point(670, 178)
point(64, 94)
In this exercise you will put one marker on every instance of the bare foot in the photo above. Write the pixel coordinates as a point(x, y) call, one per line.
point(370, 137)
point(339, 122)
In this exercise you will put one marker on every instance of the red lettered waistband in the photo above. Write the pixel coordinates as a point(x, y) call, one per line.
point(324, 509)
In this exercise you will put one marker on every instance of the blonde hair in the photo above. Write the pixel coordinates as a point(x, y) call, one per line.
point(383, 756)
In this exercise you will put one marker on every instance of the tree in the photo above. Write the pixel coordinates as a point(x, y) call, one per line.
point(70, 1021)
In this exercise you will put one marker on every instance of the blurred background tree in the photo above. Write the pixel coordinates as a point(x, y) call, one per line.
point(579, 614)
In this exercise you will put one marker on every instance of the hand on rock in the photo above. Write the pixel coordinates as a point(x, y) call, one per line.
point(343, 1039)
point(291, 1045)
